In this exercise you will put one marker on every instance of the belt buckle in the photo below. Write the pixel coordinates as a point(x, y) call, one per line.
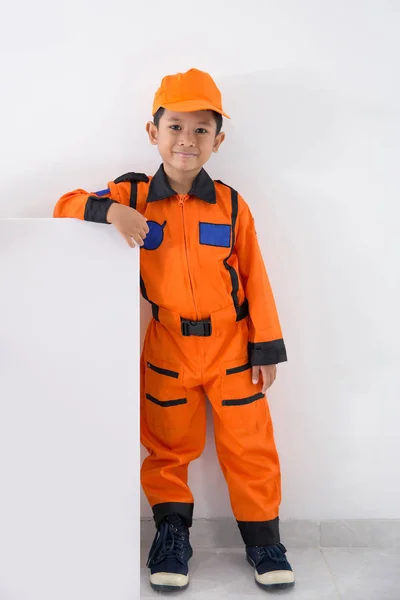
point(185, 327)
point(207, 328)
point(196, 328)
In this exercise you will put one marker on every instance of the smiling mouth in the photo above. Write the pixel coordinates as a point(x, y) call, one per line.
point(186, 155)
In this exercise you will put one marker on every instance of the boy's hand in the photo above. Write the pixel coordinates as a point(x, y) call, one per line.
point(129, 222)
point(268, 374)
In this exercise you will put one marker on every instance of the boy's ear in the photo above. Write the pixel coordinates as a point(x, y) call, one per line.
point(218, 141)
point(152, 133)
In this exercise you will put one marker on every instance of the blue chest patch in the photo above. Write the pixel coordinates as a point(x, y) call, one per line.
point(102, 192)
point(154, 238)
point(213, 234)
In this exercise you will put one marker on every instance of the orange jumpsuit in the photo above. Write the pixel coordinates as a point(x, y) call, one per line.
point(214, 317)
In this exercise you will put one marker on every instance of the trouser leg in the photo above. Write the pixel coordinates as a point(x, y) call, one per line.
point(246, 451)
point(173, 430)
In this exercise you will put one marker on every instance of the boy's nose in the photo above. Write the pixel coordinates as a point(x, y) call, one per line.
point(186, 139)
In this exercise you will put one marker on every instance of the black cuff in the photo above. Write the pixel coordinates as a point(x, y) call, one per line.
point(183, 509)
point(267, 353)
point(260, 533)
point(97, 208)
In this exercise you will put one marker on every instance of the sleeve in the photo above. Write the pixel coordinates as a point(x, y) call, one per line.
point(86, 206)
point(266, 346)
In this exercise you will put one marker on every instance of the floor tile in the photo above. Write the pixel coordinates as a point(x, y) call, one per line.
point(219, 574)
point(300, 534)
point(365, 573)
point(361, 533)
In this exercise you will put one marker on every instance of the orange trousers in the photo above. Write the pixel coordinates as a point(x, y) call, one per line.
point(177, 373)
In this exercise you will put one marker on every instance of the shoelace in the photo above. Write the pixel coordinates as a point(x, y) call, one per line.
point(171, 540)
point(275, 553)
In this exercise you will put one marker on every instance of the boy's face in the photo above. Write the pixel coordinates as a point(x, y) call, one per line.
point(186, 140)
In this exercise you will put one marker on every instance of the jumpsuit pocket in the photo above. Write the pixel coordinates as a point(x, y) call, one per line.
point(166, 403)
point(161, 371)
point(243, 405)
point(165, 397)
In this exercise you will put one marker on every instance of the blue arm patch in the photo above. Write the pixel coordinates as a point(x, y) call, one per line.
point(102, 192)
point(213, 234)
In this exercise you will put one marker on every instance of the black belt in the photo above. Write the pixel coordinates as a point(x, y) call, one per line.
point(200, 328)
point(203, 328)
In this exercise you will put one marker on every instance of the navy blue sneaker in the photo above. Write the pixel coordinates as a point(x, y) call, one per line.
point(273, 572)
point(169, 556)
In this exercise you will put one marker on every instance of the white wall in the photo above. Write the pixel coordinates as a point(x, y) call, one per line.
point(313, 145)
point(69, 412)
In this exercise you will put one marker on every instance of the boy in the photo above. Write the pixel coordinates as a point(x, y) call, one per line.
point(214, 331)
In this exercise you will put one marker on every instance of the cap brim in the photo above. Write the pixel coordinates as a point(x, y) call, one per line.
point(193, 105)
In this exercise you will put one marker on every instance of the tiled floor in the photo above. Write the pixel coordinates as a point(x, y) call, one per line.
point(321, 574)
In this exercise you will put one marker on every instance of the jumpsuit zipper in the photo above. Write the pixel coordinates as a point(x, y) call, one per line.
point(181, 202)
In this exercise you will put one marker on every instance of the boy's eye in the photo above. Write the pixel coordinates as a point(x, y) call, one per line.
point(200, 130)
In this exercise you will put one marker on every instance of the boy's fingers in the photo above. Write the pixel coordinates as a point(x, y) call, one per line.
point(255, 374)
point(269, 376)
point(266, 384)
point(138, 239)
point(266, 378)
point(128, 240)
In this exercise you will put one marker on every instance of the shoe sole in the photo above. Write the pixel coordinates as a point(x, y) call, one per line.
point(273, 587)
point(168, 589)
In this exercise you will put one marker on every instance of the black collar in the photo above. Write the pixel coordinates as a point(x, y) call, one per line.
point(203, 187)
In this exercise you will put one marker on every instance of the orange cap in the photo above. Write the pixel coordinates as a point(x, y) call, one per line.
point(190, 91)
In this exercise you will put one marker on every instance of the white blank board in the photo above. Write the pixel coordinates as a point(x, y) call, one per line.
point(69, 412)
